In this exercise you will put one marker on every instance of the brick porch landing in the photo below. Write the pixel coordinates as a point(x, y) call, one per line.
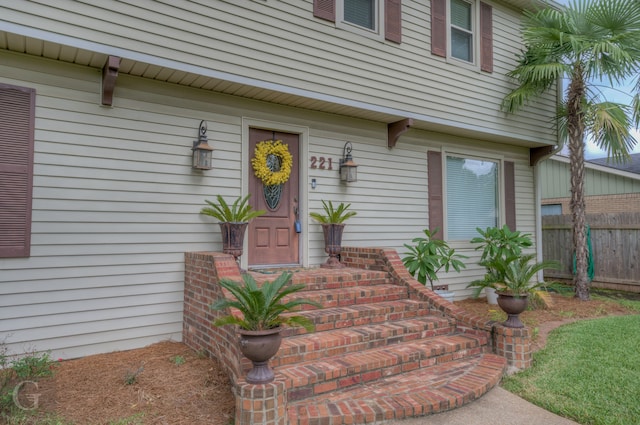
point(384, 347)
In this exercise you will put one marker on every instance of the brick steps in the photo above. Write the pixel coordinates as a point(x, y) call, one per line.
point(421, 392)
point(327, 319)
point(376, 354)
point(353, 339)
point(351, 295)
point(339, 372)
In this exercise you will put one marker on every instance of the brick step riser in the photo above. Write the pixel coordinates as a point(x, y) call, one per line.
point(344, 297)
point(319, 283)
point(346, 378)
point(327, 321)
point(298, 353)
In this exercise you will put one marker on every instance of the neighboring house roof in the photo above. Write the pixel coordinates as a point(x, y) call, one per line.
point(632, 166)
point(611, 168)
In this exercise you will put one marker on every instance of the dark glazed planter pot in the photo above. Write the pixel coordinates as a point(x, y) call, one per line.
point(259, 347)
point(332, 244)
point(233, 238)
point(513, 305)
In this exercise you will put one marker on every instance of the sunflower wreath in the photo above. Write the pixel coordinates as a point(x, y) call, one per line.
point(262, 171)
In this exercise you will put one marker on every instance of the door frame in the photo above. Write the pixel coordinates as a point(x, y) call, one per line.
point(303, 202)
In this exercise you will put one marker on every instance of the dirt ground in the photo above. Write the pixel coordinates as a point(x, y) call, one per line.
point(168, 383)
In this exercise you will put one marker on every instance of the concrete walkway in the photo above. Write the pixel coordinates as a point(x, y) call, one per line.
point(497, 407)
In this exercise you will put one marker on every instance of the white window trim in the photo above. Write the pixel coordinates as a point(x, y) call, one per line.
point(377, 33)
point(475, 19)
point(499, 159)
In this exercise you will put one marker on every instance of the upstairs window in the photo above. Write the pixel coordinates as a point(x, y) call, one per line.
point(363, 13)
point(462, 30)
point(373, 18)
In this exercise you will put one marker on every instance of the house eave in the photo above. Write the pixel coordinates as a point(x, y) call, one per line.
point(37, 42)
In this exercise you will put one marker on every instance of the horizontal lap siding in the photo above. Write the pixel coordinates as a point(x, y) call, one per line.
point(115, 207)
point(281, 42)
point(116, 203)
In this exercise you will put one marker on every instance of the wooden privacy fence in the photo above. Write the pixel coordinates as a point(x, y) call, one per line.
point(615, 239)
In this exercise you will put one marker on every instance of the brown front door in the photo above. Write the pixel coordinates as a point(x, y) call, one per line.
point(272, 237)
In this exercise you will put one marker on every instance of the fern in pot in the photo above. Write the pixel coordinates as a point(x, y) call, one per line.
point(261, 316)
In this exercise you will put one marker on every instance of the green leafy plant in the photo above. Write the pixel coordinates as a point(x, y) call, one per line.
point(178, 360)
point(501, 242)
point(333, 215)
point(238, 212)
point(514, 274)
point(428, 256)
point(262, 307)
point(131, 376)
point(497, 243)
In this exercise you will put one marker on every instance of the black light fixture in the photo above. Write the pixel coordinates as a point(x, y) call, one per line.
point(348, 168)
point(202, 152)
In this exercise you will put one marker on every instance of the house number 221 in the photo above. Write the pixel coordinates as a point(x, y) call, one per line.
point(321, 163)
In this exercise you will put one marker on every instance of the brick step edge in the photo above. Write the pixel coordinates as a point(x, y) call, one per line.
point(350, 295)
point(326, 319)
point(320, 345)
point(331, 279)
point(418, 393)
point(315, 377)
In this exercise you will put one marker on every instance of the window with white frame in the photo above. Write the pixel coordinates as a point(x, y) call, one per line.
point(462, 30)
point(472, 196)
point(362, 16)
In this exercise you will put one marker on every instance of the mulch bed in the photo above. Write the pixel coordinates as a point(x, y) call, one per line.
point(93, 389)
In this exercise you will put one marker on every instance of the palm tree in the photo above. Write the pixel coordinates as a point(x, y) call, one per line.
point(586, 43)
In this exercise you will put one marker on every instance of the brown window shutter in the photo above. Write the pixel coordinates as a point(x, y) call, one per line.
point(436, 207)
point(439, 27)
point(393, 20)
point(510, 195)
point(325, 9)
point(17, 109)
point(486, 37)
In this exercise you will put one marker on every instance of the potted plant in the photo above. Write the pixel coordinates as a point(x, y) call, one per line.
point(233, 223)
point(512, 277)
point(261, 318)
point(428, 256)
point(332, 222)
point(496, 243)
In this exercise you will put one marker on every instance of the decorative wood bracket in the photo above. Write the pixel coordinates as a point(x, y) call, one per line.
point(538, 154)
point(109, 75)
point(395, 130)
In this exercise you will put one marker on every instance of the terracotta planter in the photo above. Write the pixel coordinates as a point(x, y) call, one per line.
point(233, 238)
point(332, 244)
point(259, 347)
point(513, 305)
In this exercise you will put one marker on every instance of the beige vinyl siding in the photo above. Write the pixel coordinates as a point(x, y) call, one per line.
point(116, 202)
point(280, 42)
point(556, 182)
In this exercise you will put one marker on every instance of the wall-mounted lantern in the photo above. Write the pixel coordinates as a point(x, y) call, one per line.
point(202, 152)
point(348, 168)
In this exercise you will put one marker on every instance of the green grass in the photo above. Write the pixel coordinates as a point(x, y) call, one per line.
point(589, 371)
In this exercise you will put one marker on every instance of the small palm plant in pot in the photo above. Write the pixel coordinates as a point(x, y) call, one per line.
point(428, 256)
point(332, 222)
point(512, 279)
point(496, 243)
point(261, 317)
point(234, 220)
